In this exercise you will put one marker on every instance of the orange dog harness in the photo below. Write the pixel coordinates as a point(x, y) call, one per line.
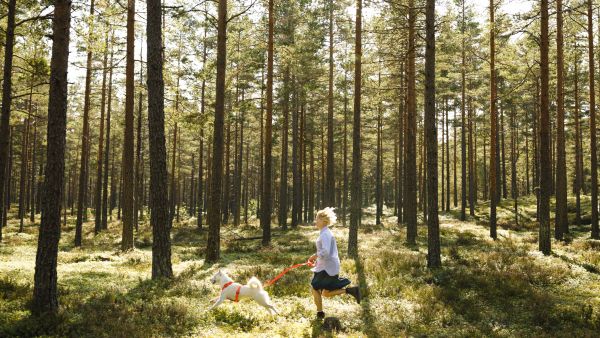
point(237, 292)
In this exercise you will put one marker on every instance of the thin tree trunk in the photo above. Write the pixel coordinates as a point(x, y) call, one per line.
point(545, 165)
point(105, 194)
point(355, 214)
point(593, 144)
point(493, 125)
point(578, 154)
point(434, 259)
point(410, 170)
point(128, 142)
point(98, 191)
point(5, 130)
point(84, 161)
point(330, 176)
point(267, 198)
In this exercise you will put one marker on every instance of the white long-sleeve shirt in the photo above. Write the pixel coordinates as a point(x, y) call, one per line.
point(327, 253)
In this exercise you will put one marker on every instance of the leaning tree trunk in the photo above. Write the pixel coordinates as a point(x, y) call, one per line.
point(45, 291)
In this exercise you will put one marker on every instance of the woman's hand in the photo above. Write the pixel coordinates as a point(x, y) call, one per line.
point(312, 258)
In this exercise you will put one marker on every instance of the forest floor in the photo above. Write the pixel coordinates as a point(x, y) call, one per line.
point(486, 288)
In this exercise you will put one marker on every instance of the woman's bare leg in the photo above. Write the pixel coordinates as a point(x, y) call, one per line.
point(328, 293)
point(318, 299)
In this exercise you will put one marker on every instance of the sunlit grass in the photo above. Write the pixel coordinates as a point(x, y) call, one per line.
point(486, 288)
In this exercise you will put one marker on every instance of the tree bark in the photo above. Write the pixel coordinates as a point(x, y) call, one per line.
point(267, 198)
point(98, 191)
point(128, 142)
point(45, 291)
point(355, 212)
point(6, 99)
point(105, 195)
point(330, 177)
point(159, 217)
point(410, 152)
point(434, 259)
point(544, 134)
point(493, 125)
point(593, 145)
point(561, 221)
point(213, 247)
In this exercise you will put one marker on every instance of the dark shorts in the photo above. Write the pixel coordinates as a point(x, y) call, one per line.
point(322, 281)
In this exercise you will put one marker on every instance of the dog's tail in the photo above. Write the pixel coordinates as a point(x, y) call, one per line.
point(254, 283)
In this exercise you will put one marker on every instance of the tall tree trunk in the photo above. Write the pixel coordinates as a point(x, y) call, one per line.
point(5, 130)
point(355, 213)
point(513, 163)
point(267, 198)
point(493, 124)
point(463, 145)
point(105, 193)
point(128, 143)
point(98, 191)
point(159, 217)
point(200, 152)
point(410, 166)
point(501, 130)
point(434, 259)
point(578, 153)
point(85, 143)
point(593, 145)
point(23, 174)
point(139, 166)
point(213, 247)
point(296, 165)
point(45, 290)
point(330, 177)
point(379, 162)
point(472, 167)
point(545, 165)
point(33, 172)
point(283, 188)
point(561, 221)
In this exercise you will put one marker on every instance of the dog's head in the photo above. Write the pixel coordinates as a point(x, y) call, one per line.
point(216, 279)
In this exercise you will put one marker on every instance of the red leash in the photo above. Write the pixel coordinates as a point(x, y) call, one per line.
point(288, 269)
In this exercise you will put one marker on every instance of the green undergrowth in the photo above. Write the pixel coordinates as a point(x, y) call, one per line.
point(486, 288)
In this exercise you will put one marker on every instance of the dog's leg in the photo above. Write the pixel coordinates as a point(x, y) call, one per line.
point(218, 302)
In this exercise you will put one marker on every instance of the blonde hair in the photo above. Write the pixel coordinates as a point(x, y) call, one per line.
point(328, 215)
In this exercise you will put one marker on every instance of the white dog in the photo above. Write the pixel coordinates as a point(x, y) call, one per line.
point(235, 291)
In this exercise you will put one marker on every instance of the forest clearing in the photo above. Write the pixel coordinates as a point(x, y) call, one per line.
point(294, 168)
point(487, 288)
